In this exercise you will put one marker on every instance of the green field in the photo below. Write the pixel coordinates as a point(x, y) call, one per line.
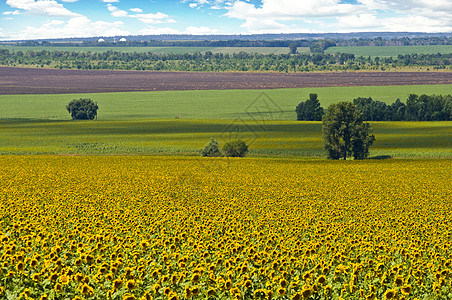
point(386, 51)
point(223, 104)
point(270, 138)
point(163, 50)
point(146, 123)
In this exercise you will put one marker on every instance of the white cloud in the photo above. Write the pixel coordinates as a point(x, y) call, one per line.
point(42, 7)
point(74, 27)
point(15, 12)
point(110, 1)
point(189, 30)
point(157, 18)
point(200, 30)
point(116, 12)
point(334, 15)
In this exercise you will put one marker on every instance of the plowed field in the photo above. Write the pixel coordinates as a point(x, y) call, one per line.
point(54, 81)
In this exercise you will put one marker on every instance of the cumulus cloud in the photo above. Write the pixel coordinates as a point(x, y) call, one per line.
point(189, 30)
point(213, 4)
point(15, 12)
point(335, 15)
point(157, 18)
point(42, 7)
point(200, 30)
point(74, 27)
point(116, 12)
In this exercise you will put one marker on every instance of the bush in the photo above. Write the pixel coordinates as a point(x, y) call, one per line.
point(211, 149)
point(236, 148)
point(82, 109)
point(309, 110)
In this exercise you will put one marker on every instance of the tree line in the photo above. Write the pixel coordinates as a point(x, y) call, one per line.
point(416, 108)
point(314, 43)
point(219, 62)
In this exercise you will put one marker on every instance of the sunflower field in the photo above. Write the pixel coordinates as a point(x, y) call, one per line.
point(168, 228)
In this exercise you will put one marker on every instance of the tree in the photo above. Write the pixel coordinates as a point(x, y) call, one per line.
point(211, 149)
point(309, 110)
point(344, 132)
point(293, 48)
point(236, 148)
point(82, 109)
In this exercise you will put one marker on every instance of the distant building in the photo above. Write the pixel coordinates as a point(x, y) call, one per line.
point(123, 40)
point(100, 40)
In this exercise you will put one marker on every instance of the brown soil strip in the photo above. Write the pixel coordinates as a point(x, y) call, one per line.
point(55, 81)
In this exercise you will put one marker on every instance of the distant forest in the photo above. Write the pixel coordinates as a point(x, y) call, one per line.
point(218, 62)
point(317, 46)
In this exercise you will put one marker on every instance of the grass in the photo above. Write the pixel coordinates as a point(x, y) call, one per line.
point(269, 138)
point(386, 51)
point(278, 104)
point(175, 50)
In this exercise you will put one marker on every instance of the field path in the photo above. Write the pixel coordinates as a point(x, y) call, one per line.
point(55, 81)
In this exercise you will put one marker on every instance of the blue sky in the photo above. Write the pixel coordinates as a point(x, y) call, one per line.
point(40, 19)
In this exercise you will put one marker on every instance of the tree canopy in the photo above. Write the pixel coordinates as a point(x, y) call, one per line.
point(309, 110)
point(344, 132)
point(82, 109)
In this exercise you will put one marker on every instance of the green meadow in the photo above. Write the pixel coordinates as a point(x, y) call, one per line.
point(181, 122)
point(175, 136)
point(277, 104)
point(386, 51)
point(163, 50)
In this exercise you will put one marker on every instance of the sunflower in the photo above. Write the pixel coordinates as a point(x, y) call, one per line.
point(173, 296)
point(306, 291)
point(187, 292)
point(210, 292)
point(155, 288)
point(117, 284)
point(146, 296)
point(297, 296)
point(131, 284)
point(58, 288)
point(64, 279)
point(228, 284)
point(248, 284)
point(195, 291)
point(53, 277)
point(406, 289)
point(86, 289)
point(321, 279)
point(371, 296)
point(20, 267)
point(166, 291)
point(281, 291)
point(195, 278)
point(390, 294)
point(398, 281)
point(128, 296)
point(283, 283)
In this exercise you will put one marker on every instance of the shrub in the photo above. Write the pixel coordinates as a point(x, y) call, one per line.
point(309, 110)
point(236, 148)
point(211, 149)
point(82, 109)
